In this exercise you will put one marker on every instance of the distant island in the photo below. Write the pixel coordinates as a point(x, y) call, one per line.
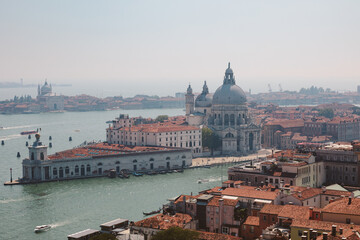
point(21, 85)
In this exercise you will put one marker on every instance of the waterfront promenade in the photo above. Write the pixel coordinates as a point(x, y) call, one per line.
point(203, 161)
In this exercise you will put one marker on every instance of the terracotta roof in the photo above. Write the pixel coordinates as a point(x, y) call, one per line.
point(105, 149)
point(294, 212)
point(216, 236)
point(249, 193)
point(252, 220)
point(271, 209)
point(321, 225)
point(342, 206)
point(164, 222)
point(170, 126)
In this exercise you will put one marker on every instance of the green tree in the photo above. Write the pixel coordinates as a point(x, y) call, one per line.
point(104, 236)
point(176, 233)
point(326, 112)
point(162, 118)
point(210, 139)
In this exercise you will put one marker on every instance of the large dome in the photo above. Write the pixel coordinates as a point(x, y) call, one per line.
point(229, 94)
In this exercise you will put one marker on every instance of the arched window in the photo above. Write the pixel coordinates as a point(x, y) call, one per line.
point(42, 156)
point(183, 156)
point(76, 169)
point(232, 119)
point(117, 162)
point(190, 144)
point(32, 156)
point(99, 164)
point(229, 135)
point(67, 170)
point(151, 159)
point(88, 168)
point(135, 161)
point(226, 119)
point(167, 158)
point(54, 171)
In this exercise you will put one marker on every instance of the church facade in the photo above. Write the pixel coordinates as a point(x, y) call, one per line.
point(226, 113)
point(49, 100)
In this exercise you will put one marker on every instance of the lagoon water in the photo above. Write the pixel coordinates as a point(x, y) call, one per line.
point(72, 206)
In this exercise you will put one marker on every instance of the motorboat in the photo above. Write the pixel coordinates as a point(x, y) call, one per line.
point(136, 174)
point(202, 181)
point(151, 213)
point(28, 132)
point(42, 228)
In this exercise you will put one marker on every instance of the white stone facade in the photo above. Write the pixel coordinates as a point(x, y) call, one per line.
point(97, 161)
point(226, 113)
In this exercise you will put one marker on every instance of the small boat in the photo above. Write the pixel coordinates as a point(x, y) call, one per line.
point(42, 228)
point(136, 174)
point(152, 213)
point(123, 175)
point(28, 132)
point(207, 166)
point(162, 172)
point(151, 173)
point(203, 181)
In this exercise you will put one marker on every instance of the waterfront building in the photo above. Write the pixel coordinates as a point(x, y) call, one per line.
point(98, 160)
point(226, 113)
point(49, 100)
point(169, 133)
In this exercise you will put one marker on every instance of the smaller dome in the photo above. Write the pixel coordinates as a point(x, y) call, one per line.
point(203, 100)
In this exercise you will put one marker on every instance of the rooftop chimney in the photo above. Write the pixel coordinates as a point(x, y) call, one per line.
point(340, 231)
point(305, 233)
point(333, 230)
point(262, 183)
point(311, 211)
point(303, 237)
point(325, 235)
point(349, 200)
point(314, 235)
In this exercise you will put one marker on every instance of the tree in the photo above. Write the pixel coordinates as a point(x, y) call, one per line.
point(326, 112)
point(210, 139)
point(104, 236)
point(162, 118)
point(176, 233)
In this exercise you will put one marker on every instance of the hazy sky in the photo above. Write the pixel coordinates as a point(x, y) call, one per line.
point(158, 47)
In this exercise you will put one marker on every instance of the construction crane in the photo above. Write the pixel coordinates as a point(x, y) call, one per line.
point(280, 88)
point(269, 87)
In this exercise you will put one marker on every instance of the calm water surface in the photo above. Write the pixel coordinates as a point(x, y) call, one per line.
point(72, 206)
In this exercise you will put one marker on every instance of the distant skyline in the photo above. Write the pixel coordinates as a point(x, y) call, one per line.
point(158, 47)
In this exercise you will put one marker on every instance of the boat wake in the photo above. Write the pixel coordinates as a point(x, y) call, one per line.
point(17, 127)
point(59, 224)
point(214, 179)
point(9, 137)
point(11, 200)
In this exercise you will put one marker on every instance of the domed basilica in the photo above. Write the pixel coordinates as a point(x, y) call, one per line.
point(226, 113)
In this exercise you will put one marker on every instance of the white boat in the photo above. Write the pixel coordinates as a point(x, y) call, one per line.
point(203, 181)
point(42, 228)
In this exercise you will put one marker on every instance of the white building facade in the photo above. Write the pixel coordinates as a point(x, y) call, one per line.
point(226, 113)
point(167, 134)
point(98, 159)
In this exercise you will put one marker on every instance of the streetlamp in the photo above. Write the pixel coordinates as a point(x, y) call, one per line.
point(10, 174)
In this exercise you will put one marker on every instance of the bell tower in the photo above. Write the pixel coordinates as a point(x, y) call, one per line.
point(189, 101)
